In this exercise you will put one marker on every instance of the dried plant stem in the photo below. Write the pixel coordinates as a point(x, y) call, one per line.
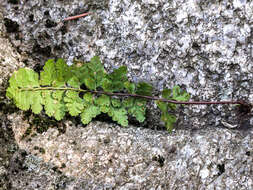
point(76, 16)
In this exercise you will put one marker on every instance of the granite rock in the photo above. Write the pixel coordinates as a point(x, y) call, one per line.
point(105, 156)
point(204, 46)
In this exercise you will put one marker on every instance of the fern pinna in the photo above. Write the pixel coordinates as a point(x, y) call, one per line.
point(58, 89)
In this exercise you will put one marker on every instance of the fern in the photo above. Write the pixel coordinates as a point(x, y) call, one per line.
point(58, 87)
point(74, 103)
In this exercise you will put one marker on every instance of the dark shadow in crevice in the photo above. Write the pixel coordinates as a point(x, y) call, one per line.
point(11, 26)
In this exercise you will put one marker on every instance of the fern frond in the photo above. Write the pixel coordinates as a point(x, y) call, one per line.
point(58, 89)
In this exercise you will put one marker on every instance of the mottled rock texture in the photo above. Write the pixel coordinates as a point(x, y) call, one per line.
point(102, 156)
point(204, 46)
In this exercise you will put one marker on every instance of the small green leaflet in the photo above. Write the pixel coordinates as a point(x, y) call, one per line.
point(163, 106)
point(130, 87)
point(55, 73)
point(175, 94)
point(58, 94)
point(88, 97)
point(136, 107)
point(167, 94)
point(25, 78)
point(63, 71)
point(90, 110)
point(48, 75)
point(79, 74)
point(129, 102)
point(103, 102)
point(53, 104)
point(36, 101)
point(74, 82)
point(119, 115)
point(91, 74)
point(90, 83)
point(114, 81)
point(94, 74)
point(116, 102)
point(167, 118)
point(180, 95)
point(74, 103)
point(114, 108)
point(88, 113)
point(169, 121)
point(144, 88)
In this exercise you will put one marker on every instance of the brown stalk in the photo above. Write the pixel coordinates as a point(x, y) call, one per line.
point(173, 101)
point(242, 103)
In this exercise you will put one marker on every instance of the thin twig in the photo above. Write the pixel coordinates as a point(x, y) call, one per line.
point(76, 16)
point(139, 96)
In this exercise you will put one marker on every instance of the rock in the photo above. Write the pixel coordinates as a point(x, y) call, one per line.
point(204, 46)
point(103, 156)
point(9, 58)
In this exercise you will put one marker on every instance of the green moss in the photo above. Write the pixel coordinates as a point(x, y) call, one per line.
point(40, 124)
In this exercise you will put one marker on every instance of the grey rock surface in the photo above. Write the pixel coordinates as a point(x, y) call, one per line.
point(204, 46)
point(103, 156)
